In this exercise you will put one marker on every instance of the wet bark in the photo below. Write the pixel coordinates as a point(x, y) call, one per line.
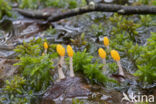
point(32, 14)
point(121, 9)
point(105, 8)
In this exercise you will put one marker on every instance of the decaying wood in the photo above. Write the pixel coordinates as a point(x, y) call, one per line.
point(121, 9)
point(32, 14)
point(105, 8)
point(38, 14)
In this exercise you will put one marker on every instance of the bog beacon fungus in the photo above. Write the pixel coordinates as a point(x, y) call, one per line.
point(102, 54)
point(61, 51)
point(115, 55)
point(106, 42)
point(45, 47)
point(70, 54)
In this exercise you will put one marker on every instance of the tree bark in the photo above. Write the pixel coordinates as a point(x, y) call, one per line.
point(105, 8)
point(32, 14)
point(121, 9)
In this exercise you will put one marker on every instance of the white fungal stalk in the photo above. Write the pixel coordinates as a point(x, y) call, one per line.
point(60, 72)
point(71, 67)
point(120, 68)
point(107, 47)
point(45, 51)
point(104, 67)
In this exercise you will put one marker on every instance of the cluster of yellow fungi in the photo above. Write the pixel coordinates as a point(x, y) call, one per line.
point(115, 55)
point(61, 51)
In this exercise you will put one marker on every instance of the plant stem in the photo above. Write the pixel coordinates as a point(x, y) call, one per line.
point(71, 67)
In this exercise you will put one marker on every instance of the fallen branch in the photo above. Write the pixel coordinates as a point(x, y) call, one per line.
point(55, 16)
point(105, 8)
point(38, 14)
point(32, 14)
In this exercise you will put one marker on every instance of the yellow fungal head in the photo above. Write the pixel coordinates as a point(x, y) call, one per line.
point(106, 41)
point(60, 50)
point(45, 45)
point(115, 55)
point(70, 51)
point(102, 53)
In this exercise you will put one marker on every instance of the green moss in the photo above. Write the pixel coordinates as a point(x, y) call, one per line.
point(82, 62)
point(34, 66)
point(94, 74)
point(37, 71)
point(80, 59)
point(77, 101)
point(123, 25)
point(34, 4)
point(51, 31)
point(14, 85)
point(12, 89)
point(34, 48)
point(5, 9)
point(146, 20)
point(146, 62)
point(97, 29)
point(147, 2)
